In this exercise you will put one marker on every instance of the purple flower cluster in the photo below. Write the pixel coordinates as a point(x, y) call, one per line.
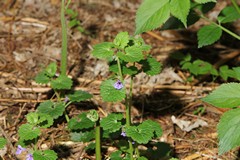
point(118, 85)
point(20, 149)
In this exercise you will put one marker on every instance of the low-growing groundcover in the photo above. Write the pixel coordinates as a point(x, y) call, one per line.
point(127, 56)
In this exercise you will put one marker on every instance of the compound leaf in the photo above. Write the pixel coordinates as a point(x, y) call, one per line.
point(103, 50)
point(151, 14)
point(228, 129)
point(207, 35)
point(225, 96)
point(180, 10)
point(112, 122)
point(62, 82)
point(111, 94)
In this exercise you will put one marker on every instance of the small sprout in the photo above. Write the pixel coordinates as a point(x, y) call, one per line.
point(20, 149)
point(123, 134)
point(118, 85)
point(29, 156)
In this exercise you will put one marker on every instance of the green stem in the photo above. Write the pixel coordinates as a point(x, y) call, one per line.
point(236, 6)
point(223, 28)
point(64, 40)
point(119, 70)
point(98, 141)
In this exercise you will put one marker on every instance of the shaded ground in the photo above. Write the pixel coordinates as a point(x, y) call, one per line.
point(30, 38)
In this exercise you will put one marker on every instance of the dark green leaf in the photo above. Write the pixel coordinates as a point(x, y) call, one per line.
point(112, 123)
point(154, 127)
point(85, 136)
point(228, 129)
point(151, 66)
point(207, 35)
point(225, 96)
point(55, 110)
point(78, 96)
point(228, 14)
point(80, 122)
point(116, 155)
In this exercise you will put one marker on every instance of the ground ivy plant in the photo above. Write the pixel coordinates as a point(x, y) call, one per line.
point(173, 14)
point(50, 110)
point(127, 56)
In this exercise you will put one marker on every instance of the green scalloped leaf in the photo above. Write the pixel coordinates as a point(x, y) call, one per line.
point(78, 96)
point(151, 14)
point(45, 155)
point(228, 129)
point(51, 69)
point(133, 54)
point(28, 132)
point(209, 34)
point(117, 155)
point(62, 82)
point(85, 136)
point(111, 94)
point(39, 119)
point(225, 96)
point(80, 122)
point(3, 142)
point(121, 39)
point(55, 110)
point(204, 1)
point(155, 127)
point(112, 123)
point(103, 50)
point(180, 10)
point(42, 78)
point(151, 66)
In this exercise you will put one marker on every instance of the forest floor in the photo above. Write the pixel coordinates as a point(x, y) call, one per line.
point(30, 38)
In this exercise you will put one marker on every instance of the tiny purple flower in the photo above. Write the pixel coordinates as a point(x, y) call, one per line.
point(133, 142)
point(29, 157)
point(123, 134)
point(118, 85)
point(66, 99)
point(20, 149)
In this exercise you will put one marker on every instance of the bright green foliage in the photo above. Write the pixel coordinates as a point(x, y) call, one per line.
point(133, 54)
point(121, 40)
point(225, 72)
point(61, 82)
point(228, 14)
point(28, 132)
point(151, 66)
point(112, 123)
point(93, 115)
point(228, 130)
point(103, 50)
point(204, 1)
point(39, 119)
point(85, 136)
point(116, 155)
point(44, 155)
point(78, 96)
point(154, 127)
point(225, 96)
point(111, 94)
point(131, 70)
point(142, 158)
point(151, 14)
point(80, 122)
point(3, 142)
point(55, 110)
point(208, 35)
point(180, 10)
point(47, 74)
point(236, 71)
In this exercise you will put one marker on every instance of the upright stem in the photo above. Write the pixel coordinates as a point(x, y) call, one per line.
point(98, 141)
point(64, 40)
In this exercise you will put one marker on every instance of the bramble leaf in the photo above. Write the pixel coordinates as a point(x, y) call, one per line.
point(151, 14)
point(78, 96)
point(225, 96)
point(111, 94)
point(228, 129)
point(80, 122)
point(62, 82)
point(151, 66)
point(112, 122)
point(28, 132)
point(103, 50)
point(55, 110)
point(228, 14)
point(133, 54)
point(44, 155)
point(121, 39)
point(3, 142)
point(180, 10)
point(207, 35)
point(85, 136)
point(204, 1)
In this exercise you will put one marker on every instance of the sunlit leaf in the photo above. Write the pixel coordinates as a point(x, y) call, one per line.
point(112, 122)
point(121, 39)
point(103, 50)
point(62, 82)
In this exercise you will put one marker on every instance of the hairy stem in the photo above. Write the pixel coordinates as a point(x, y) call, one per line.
point(98, 141)
point(63, 68)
